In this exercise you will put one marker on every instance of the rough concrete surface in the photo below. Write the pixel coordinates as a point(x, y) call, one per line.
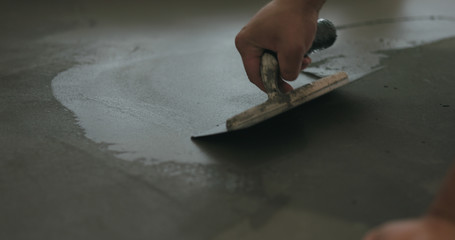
point(98, 100)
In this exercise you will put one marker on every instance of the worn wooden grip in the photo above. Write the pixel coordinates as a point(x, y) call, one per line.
point(270, 72)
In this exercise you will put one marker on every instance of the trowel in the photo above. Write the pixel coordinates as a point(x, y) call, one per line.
point(277, 101)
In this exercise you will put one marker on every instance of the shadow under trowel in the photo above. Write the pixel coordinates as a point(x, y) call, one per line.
point(259, 143)
point(285, 135)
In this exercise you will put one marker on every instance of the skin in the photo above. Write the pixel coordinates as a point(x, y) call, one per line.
point(288, 27)
point(437, 224)
point(425, 228)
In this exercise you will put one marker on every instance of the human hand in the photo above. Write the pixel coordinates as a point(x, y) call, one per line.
point(426, 228)
point(286, 27)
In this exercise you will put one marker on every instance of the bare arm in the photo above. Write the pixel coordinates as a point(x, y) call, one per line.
point(286, 27)
point(437, 224)
point(444, 203)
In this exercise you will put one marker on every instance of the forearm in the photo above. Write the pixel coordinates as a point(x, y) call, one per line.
point(444, 203)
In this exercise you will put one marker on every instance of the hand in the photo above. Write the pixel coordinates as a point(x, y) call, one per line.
point(286, 27)
point(426, 228)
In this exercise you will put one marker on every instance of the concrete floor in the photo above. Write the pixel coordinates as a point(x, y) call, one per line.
point(99, 100)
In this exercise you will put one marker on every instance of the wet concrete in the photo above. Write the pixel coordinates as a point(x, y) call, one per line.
point(126, 93)
point(84, 88)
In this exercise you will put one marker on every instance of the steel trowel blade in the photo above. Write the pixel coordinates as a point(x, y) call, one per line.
point(219, 129)
point(274, 107)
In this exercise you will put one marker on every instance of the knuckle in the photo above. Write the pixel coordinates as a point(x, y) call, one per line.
point(239, 41)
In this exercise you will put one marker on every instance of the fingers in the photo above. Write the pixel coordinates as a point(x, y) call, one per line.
point(251, 57)
point(283, 28)
point(291, 60)
point(284, 86)
point(251, 60)
point(305, 63)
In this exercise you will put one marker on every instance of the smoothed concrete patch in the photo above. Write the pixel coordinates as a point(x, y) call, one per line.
point(147, 93)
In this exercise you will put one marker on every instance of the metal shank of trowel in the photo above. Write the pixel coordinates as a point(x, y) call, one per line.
point(325, 37)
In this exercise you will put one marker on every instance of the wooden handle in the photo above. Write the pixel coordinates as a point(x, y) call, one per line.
point(270, 72)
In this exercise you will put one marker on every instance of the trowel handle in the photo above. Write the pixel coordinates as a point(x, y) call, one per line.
point(270, 71)
point(270, 74)
point(326, 34)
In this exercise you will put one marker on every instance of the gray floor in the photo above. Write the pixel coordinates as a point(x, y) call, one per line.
point(98, 101)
